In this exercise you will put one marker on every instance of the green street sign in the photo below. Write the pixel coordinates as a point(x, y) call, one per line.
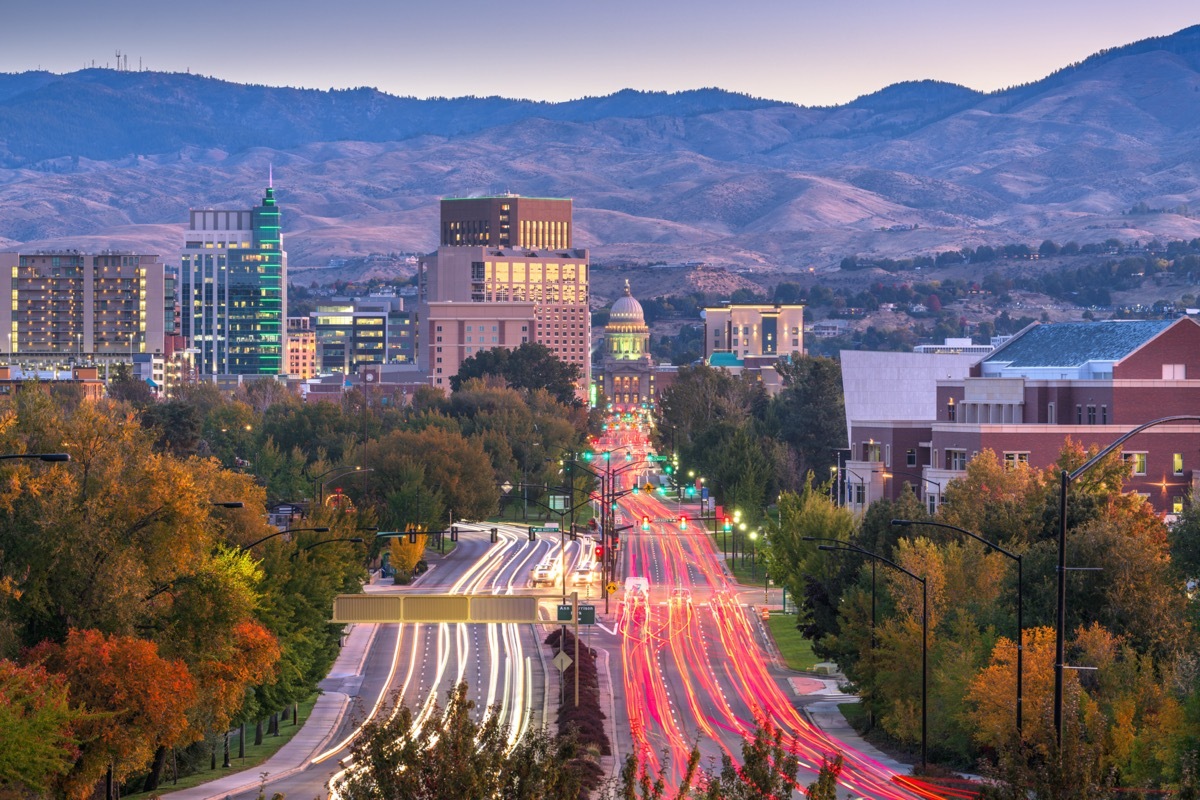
point(545, 530)
point(566, 612)
point(657, 458)
point(587, 614)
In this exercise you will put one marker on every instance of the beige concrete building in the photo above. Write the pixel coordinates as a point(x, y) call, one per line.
point(751, 338)
point(454, 331)
point(67, 307)
point(493, 286)
point(301, 348)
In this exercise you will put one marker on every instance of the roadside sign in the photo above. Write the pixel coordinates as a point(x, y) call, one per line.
point(657, 458)
point(506, 487)
point(649, 487)
point(587, 614)
point(546, 529)
point(562, 661)
point(565, 612)
point(703, 492)
point(612, 587)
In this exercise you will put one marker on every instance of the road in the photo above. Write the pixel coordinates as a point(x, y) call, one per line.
point(503, 665)
point(693, 661)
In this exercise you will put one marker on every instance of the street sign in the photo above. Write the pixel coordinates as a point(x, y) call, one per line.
point(562, 661)
point(546, 529)
point(565, 612)
point(649, 487)
point(612, 587)
point(506, 487)
point(657, 458)
point(587, 614)
point(703, 492)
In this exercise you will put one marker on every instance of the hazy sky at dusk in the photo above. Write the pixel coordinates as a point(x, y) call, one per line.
point(814, 53)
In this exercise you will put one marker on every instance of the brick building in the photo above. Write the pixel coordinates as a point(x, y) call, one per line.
point(1090, 381)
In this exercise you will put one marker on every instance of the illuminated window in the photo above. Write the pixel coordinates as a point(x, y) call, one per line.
point(1137, 461)
point(1177, 460)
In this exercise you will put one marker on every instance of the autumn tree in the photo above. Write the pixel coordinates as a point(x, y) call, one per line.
point(35, 711)
point(136, 701)
point(407, 551)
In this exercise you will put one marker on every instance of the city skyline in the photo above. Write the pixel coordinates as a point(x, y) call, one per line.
point(785, 51)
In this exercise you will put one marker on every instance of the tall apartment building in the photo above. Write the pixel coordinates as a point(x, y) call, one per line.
point(233, 290)
point(508, 220)
point(527, 290)
point(65, 307)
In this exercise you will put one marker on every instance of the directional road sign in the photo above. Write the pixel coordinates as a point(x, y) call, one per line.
point(565, 612)
point(545, 530)
point(587, 614)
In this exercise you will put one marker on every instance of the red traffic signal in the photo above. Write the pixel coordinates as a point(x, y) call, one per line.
point(683, 523)
point(599, 552)
point(645, 523)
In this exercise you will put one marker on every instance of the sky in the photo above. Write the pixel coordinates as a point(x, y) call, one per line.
point(800, 51)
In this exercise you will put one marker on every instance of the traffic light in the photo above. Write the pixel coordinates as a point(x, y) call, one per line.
point(574, 535)
point(454, 533)
point(691, 491)
point(495, 535)
point(683, 523)
point(532, 535)
point(587, 455)
point(645, 523)
point(636, 489)
point(599, 552)
point(662, 490)
point(668, 469)
point(728, 525)
point(607, 456)
point(412, 537)
point(628, 456)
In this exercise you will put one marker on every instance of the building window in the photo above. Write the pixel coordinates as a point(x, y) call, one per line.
point(871, 451)
point(1078, 415)
point(951, 413)
point(1091, 415)
point(1177, 460)
point(910, 458)
point(1176, 505)
point(887, 455)
point(1137, 461)
point(1174, 372)
point(1011, 460)
point(860, 494)
point(1103, 415)
point(1051, 414)
point(956, 459)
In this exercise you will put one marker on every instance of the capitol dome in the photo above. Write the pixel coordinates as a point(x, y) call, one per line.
point(626, 310)
point(626, 337)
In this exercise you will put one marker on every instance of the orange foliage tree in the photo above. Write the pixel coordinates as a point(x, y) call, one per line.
point(136, 701)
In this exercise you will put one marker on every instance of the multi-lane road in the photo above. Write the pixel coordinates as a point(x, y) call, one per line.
point(686, 660)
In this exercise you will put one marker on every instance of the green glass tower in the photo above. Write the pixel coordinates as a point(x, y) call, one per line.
point(233, 290)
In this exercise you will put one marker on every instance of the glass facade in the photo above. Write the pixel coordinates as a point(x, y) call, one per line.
point(233, 291)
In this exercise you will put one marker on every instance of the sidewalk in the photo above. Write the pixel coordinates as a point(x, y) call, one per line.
point(343, 683)
point(825, 715)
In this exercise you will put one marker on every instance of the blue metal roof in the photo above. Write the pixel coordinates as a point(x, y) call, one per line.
point(724, 359)
point(1072, 344)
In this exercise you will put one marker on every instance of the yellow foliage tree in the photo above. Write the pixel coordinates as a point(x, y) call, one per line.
point(406, 554)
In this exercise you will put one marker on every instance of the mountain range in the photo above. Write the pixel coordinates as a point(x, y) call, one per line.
point(1105, 148)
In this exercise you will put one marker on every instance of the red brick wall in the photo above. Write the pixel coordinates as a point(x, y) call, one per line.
point(1178, 344)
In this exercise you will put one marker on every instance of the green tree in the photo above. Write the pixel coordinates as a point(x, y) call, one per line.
point(455, 756)
point(527, 367)
point(34, 711)
point(810, 413)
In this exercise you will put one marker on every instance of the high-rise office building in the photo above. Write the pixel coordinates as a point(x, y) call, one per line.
point(233, 290)
point(63, 307)
point(531, 290)
point(507, 220)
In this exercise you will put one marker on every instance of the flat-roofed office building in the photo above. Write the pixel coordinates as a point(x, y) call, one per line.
point(508, 220)
point(233, 290)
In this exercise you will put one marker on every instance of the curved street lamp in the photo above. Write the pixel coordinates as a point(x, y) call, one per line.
point(1061, 616)
point(850, 548)
point(247, 547)
point(904, 523)
point(319, 487)
point(355, 540)
point(38, 456)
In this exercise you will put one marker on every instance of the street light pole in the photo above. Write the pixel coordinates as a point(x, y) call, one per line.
point(1061, 612)
point(1020, 594)
point(246, 547)
point(850, 548)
